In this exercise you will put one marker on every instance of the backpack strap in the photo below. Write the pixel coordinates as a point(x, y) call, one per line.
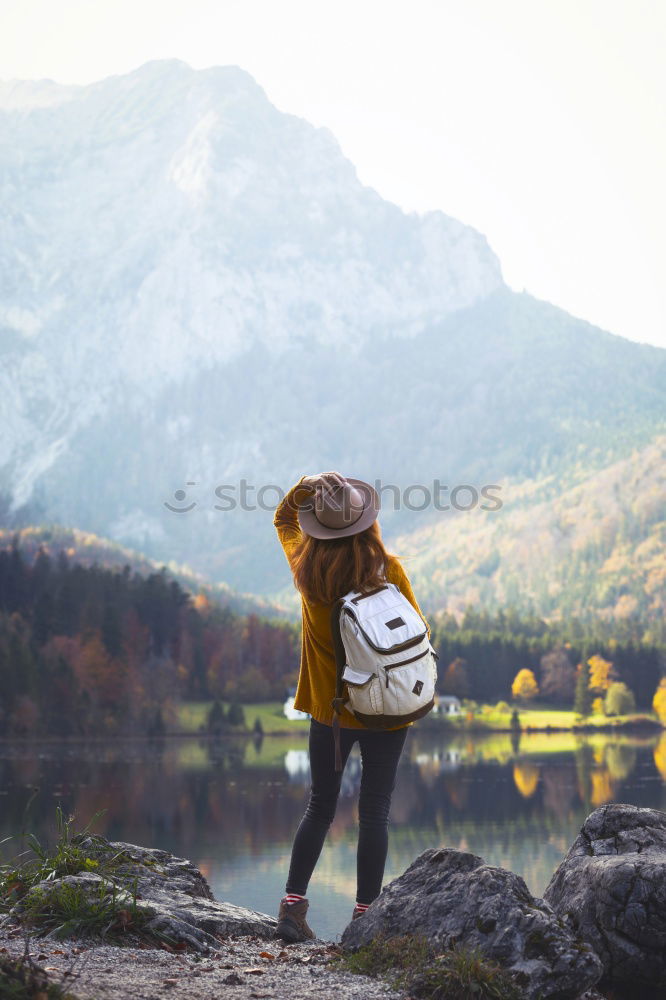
point(340, 658)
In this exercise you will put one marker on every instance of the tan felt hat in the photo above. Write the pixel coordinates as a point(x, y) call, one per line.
point(339, 511)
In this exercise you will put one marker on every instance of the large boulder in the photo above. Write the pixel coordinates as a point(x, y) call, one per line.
point(172, 892)
point(455, 898)
point(611, 889)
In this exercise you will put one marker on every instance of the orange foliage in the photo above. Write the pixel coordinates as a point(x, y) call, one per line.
point(524, 685)
point(601, 673)
point(659, 700)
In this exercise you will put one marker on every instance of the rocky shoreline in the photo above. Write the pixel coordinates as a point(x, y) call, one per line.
point(242, 967)
point(600, 929)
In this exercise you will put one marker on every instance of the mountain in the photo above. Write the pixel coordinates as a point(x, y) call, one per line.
point(198, 291)
point(166, 221)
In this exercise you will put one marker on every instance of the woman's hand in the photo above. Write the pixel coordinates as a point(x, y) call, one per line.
point(323, 480)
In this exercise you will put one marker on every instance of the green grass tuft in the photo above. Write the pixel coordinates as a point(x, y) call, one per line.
point(387, 956)
point(410, 963)
point(46, 904)
point(71, 911)
point(66, 858)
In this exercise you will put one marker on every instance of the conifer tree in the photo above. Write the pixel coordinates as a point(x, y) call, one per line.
point(583, 695)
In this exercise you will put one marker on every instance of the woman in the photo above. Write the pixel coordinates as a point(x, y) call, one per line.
point(328, 528)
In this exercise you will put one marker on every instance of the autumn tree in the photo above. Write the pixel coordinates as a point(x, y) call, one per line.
point(558, 676)
point(659, 700)
point(524, 686)
point(455, 680)
point(250, 686)
point(602, 674)
point(25, 717)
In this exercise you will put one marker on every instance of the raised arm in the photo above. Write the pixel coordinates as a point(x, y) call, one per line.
point(286, 515)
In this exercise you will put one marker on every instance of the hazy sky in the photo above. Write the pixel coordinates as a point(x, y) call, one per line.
point(539, 122)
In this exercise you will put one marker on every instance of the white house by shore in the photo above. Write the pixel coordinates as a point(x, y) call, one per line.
point(291, 712)
point(448, 704)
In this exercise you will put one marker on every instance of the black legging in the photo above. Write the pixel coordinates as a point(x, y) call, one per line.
point(380, 753)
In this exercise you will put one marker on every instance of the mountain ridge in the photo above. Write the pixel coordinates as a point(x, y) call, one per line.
point(87, 549)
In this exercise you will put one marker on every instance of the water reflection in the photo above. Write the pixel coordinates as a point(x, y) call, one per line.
point(232, 806)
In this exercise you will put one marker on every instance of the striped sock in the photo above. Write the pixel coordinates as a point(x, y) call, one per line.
point(292, 897)
point(361, 907)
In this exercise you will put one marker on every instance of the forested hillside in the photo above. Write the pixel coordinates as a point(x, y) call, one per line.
point(88, 651)
point(92, 651)
point(591, 546)
point(481, 656)
point(89, 549)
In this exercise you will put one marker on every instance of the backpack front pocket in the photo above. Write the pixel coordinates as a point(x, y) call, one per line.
point(408, 682)
point(357, 677)
point(366, 697)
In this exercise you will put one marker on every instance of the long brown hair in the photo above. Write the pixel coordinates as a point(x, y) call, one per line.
point(326, 568)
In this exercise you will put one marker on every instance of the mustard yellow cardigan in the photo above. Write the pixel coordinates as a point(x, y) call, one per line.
point(316, 679)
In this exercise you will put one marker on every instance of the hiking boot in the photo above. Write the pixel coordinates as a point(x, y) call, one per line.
point(292, 925)
point(357, 913)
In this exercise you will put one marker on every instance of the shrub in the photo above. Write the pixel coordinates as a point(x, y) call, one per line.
point(236, 714)
point(619, 699)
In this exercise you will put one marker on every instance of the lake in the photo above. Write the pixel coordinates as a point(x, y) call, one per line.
point(232, 806)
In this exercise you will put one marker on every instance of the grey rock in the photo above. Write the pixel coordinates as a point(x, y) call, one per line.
point(233, 979)
point(171, 890)
point(611, 889)
point(455, 898)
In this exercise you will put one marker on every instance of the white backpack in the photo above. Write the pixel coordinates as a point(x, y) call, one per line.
point(385, 658)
